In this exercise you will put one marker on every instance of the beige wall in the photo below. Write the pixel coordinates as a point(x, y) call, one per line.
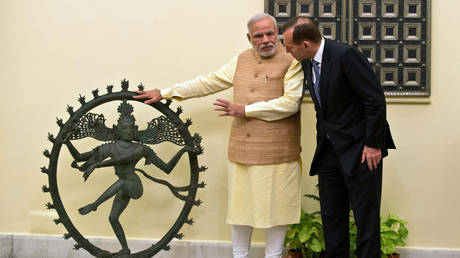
point(51, 51)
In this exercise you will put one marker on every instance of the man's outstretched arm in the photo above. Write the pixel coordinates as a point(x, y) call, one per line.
point(198, 87)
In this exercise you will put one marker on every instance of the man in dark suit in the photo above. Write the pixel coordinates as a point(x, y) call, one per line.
point(352, 136)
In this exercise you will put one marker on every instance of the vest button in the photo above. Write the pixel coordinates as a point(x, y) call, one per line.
point(252, 90)
point(255, 75)
point(259, 62)
point(248, 135)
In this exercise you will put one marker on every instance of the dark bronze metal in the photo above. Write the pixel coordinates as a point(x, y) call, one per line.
point(125, 146)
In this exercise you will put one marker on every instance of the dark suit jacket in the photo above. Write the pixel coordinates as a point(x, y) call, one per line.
point(353, 109)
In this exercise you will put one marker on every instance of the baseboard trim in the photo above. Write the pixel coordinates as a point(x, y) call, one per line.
point(45, 246)
point(410, 252)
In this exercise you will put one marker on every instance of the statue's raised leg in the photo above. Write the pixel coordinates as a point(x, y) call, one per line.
point(111, 191)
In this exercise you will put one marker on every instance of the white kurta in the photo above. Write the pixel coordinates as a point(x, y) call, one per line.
point(260, 196)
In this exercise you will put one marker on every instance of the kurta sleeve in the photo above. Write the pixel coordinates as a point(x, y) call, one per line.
point(203, 85)
point(285, 105)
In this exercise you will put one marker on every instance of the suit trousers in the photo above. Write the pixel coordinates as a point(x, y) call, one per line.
point(361, 190)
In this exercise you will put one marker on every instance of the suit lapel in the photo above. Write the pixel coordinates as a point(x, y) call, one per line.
point(326, 66)
point(308, 74)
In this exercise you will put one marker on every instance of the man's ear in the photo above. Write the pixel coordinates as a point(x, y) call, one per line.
point(249, 37)
point(306, 44)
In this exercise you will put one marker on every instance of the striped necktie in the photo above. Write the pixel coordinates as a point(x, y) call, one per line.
point(316, 84)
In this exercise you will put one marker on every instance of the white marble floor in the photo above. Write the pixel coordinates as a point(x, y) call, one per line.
point(46, 246)
point(36, 246)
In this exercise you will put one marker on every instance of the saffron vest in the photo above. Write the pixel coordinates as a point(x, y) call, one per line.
point(254, 141)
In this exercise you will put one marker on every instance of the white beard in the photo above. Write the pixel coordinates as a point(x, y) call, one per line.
point(267, 53)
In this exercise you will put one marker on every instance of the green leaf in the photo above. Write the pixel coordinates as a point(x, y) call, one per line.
point(390, 235)
point(315, 245)
point(316, 213)
point(291, 233)
point(385, 228)
point(387, 250)
point(313, 197)
point(387, 246)
point(316, 224)
point(303, 236)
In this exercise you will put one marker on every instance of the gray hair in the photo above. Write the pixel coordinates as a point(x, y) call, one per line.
point(258, 17)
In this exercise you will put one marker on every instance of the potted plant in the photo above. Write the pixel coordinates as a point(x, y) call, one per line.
point(306, 239)
point(393, 232)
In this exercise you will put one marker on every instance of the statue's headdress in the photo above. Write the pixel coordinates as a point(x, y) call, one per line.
point(125, 111)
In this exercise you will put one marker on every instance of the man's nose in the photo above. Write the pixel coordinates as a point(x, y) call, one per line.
point(266, 39)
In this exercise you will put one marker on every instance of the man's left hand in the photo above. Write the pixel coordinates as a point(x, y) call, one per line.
point(373, 156)
point(229, 108)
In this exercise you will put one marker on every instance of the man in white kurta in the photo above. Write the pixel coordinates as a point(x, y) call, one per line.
point(260, 195)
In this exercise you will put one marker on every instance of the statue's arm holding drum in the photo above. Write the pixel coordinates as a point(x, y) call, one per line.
point(92, 158)
point(152, 158)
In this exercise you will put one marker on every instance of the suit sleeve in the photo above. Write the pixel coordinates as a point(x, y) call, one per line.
point(363, 81)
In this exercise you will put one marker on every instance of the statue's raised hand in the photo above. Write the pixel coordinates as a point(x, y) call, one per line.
point(194, 149)
point(88, 171)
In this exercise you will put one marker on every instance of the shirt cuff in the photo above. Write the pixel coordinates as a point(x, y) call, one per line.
point(248, 111)
point(169, 94)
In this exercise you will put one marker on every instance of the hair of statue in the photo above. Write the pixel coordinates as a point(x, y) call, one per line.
point(304, 29)
point(258, 17)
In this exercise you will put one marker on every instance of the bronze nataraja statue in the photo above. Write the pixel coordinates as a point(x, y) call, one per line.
point(125, 146)
point(123, 154)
